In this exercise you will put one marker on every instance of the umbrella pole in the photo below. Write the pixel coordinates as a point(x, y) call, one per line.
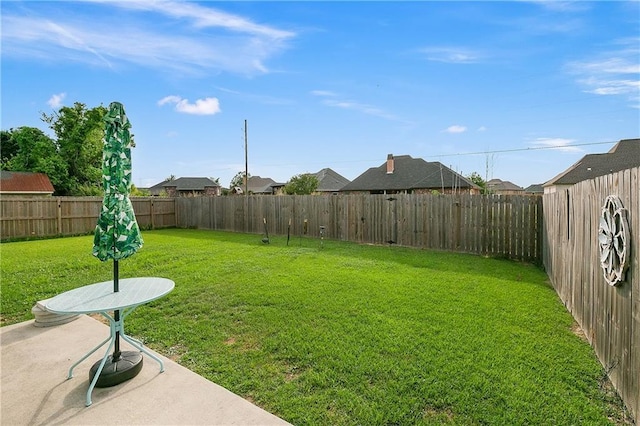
point(116, 314)
point(117, 216)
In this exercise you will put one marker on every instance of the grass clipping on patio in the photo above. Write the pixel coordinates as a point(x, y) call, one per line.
point(341, 333)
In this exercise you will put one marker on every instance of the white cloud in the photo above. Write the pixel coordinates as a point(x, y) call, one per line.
point(613, 65)
point(614, 87)
point(168, 99)
point(206, 106)
point(451, 55)
point(334, 100)
point(562, 6)
point(202, 38)
point(560, 144)
point(204, 17)
point(614, 72)
point(55, 101)
point(482, 129)
point(455, 129)
point(323, 93)
point(364, 108)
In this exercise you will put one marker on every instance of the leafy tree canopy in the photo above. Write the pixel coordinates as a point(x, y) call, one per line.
point(238, 180)
point(477, 179)
point(79, 133)
point(139, 192)
point(8, 147)
point(73, 160)
point(302, 184)
point(28, 149)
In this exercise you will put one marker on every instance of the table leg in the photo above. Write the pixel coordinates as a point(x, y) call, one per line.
point(70, 375)
point(112, 332)
point(138, 345)
point(114, 327)
point(97, 375)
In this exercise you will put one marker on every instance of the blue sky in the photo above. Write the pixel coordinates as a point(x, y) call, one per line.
point(479, 86)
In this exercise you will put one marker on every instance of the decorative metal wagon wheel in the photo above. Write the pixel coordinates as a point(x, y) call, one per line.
point(613, 238)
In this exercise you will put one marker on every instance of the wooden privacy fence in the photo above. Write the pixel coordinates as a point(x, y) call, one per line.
point(609, 316)
point(507, 226)
point(53, 216)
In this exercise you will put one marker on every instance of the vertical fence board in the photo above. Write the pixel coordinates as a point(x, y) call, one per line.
point(609, 316)
point(486, 225)
point(559, 230)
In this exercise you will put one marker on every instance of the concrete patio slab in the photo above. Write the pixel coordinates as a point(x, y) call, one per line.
point(34, 388)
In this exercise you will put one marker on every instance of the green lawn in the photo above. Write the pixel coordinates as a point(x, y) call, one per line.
point(343, 333)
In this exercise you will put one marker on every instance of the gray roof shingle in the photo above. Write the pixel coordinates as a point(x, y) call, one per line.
point(330, 181)
point(260, 185)
point(409, 174)
point(624, 155)
point(535, 188)
point(502, 185)
point(183, 184)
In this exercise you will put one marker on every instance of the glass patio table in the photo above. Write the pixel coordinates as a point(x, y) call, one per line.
point(101, 298)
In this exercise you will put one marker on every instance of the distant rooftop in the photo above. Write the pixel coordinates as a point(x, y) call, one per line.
point(624, 155)
point(536, 188)
point(183, 184)
point(502, 185)
point(404, 172)
point(330, 181)
point(25, 183)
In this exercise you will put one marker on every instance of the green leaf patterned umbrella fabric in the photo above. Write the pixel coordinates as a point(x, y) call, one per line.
point(117, 235)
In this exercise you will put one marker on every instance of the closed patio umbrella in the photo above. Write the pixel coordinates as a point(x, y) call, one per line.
point(117, 235)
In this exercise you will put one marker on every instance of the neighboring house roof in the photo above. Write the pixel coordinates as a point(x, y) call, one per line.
point(408, 173)
point(330, 181)
point(183, 184)
point(535, 188)
point(157, 188)
point(624, 155)
point(502, 185)
point(25, 183)
point(260, 185)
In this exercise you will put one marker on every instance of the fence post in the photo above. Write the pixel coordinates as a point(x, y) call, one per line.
point(153, 226)
point(59, 216)
point(458, 222)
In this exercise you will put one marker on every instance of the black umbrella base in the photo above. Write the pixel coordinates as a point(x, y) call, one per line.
point(114, 373)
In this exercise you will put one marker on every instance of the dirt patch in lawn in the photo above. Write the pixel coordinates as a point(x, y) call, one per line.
point(578, 331)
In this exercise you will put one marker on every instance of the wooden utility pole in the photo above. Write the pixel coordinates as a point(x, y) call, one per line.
point(246, 161)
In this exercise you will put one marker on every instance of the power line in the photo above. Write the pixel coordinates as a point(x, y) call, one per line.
point(536, 148)
point(540, 148)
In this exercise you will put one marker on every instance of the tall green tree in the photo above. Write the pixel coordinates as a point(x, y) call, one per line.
point(302, 184)
point(79, 132)
point(28, 149)
point(8, 147)
point(238, 180)
point(477, 179)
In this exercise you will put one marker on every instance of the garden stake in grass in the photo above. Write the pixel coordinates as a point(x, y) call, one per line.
point(322, 236)
point(266, 232)
point(288, 231)
point(467, 340)
point(304, 230)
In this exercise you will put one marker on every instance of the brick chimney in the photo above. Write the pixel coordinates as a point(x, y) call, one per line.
point(389, 164)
